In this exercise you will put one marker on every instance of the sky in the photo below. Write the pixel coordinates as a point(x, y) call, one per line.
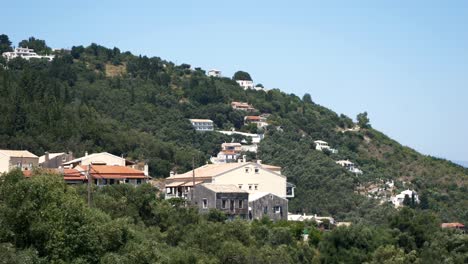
point(404, 62)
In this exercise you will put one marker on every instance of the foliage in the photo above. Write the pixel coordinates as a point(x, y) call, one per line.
point(241, 75)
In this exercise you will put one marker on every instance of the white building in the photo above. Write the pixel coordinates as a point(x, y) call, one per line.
point(321, 145)
point(249, 176)
point(259, 121)
point(214, 73)
point(246, 84)
point(21, 159)
point(397, 200)
point(256, 138)
point(26, 54)
point(202, 124)
point(349, 166)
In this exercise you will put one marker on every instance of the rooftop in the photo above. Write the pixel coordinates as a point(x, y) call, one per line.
point(17, 153)
point(51, 156)
point(201, 120)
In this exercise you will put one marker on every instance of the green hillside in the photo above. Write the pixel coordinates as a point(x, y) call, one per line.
point(99, 99)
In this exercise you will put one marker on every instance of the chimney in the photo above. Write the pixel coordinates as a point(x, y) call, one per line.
point(171, 173)
point(46, 154)
point(86, 153)
point(146, 170)
point(244, 158)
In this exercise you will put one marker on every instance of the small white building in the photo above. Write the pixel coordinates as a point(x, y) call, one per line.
point(397, 200)
point(246, 84)
point(321, 145)
point(202, 124)
point(259, 121)
point(256, 138)
point(350, 166)
point(26, 54)
point(214, 73)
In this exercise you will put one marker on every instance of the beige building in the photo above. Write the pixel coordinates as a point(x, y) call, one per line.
point(102, 158)
point(54, 160)
point(249, 176)
point(11, 159)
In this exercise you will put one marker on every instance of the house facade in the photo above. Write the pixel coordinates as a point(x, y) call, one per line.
point(243, 106)
point(102, 158)
point(246, 84)
point(202, 124)
point(226, 198)
point(26, 54)
point(264, 204)
point(321, 145)
point(398, 200)
point(248, 176)
point(12, 159)
point(260, 121)
point(350, 166)
point(54, 160)
point(102, 175)
point(214, 73)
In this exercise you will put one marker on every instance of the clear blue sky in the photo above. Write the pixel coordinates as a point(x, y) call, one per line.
point(405, 62)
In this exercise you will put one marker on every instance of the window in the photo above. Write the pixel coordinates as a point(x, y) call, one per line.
point(246, 170)
point(64, 159)
point(205, 203)
point(265, 210)
point(257, 170)
point(104, 181)
point(250, 186)
point(139, 181)
point(224, 203)
point(232, 205)
point(127, 180)
point(277, 209)
point(240, 186)
point(241, 204)
point(30, 165)
point(111, 181)
point(256, 186)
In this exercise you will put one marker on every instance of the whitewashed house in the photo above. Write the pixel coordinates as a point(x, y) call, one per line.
point(397, 200)
point(246, 84)
point(350, 166)
point(202, 124)
point(26, 54)
point(214, 73)
point(321, 145)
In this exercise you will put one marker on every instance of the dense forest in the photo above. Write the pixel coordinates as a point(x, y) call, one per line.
point(101, 99)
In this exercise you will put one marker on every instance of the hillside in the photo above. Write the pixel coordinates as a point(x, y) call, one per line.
point(100, 99)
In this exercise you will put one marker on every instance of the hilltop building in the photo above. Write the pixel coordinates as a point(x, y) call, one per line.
point(246, 84)
point(321, 145)
point(12, 159)
point(242, 106)
point(397, 200)
point(26, 54)
point(260, 121)
point(256, 138)
point(350, 166)
point(214, 73)
point(202, 124)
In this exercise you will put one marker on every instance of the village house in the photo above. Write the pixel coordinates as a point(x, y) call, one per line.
point(102, 175)
point(249, 176)
point(350, 166)
point(230, 152)
point(260, 121)
point(321, 145)
point(243, 106)
point(101, 158)
point(214, 73)
point(256, 138)
point(54, 160)
point(12, 159)
point(397, 200)
point(323, 222)
point(264, 204)
point(226, 198)
point(26, 54)
point(246, 84)
point(202, 124)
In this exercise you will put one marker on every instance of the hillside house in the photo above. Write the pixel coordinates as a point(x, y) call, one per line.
point(397, 200)
point(321, 145)
point(214, 73)
point(12, 159)
point(256, 138)
point(249, 176)
point(101, 158)
point(243, 106)
point(54, 160)
point(263, 204)
point(455, 226)
point(102, 175)
point(26, 54)
point(202, 124)
point(230, 152)
point(260, 121)
point(246, 84)
point(350, 166)
point(226, 198)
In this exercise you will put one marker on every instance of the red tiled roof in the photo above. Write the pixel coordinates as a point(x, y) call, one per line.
point(113, 172)
point(73, 175)
point(253, 118)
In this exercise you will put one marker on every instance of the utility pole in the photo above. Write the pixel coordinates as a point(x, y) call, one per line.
point(89, 185)
point(193, 177)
